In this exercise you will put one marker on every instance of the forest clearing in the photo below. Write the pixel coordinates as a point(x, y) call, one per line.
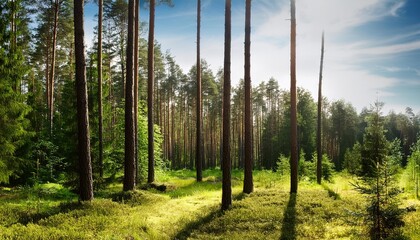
point(136, 135)
point(191, 210)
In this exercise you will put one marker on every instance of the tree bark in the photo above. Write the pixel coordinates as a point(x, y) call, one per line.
point(52, 72)
point(136, 85)
point(294, 158)
point(150, 87)
point(227, 164)
point(319, 123)
point(199, 149)
point(248, 182)
point(129, 163)
point(85, 166)
point(100, 111)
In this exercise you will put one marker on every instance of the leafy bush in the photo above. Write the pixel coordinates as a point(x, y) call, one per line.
point(307, 169)
point(283, 165)
point(353, 158)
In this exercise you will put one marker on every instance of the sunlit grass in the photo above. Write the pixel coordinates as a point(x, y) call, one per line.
point(188, 209)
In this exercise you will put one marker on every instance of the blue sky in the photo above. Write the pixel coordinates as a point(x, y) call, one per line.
point(372, 46)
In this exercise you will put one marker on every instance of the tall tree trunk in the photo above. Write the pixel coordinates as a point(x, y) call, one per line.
point(47, 73)
point(199, 149)
point(86, 181)
point(129, 163)
point(319, 123)
point(100, 111)
point(294, 158)
point(13, 39)
point(136, 85)
point(150, 87)
point(52, 72)
point(248, 182)
point(227, 164)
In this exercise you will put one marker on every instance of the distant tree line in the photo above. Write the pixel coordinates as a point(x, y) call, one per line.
point(38, 112)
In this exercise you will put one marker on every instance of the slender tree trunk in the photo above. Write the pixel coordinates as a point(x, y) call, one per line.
point(199, 160)
point(227, 164)
point(248, 182)
point(293, 101)
point(47, 73)
point(136, 85)
point(86, 181)
point(52, 72)
point(150, 79)
point(129, 163)
point(100, 111)
point(319, 123)
point(13, 39)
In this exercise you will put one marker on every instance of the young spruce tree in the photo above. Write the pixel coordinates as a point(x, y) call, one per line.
point(383, 216)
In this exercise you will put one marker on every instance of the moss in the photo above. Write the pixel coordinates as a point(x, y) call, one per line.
point(190, 210)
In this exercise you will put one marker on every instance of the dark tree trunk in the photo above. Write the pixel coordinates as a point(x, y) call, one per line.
point(136, 85)
point(85, 166)
point(319, 123)
point(248, 182)
point(199, 149)
point(294, 158)
point(227, 164)
point(129, 163)
point(100, 111)
point(150, 87)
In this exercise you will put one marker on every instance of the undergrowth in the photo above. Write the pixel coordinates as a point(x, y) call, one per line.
point(190, 210)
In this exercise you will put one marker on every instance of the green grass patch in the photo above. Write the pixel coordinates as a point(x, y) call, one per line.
point(191, 210)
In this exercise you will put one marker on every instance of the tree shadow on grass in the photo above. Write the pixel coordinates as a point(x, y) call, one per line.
point(214, 213)
point(190, 227)
point(331, 193)
point(288, 229)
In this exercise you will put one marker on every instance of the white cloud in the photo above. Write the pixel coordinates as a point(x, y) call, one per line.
point(270, 54)
point(396, 8)
point(342, 79)
point(389, 49)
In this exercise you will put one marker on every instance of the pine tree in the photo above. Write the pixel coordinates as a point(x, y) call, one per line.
point(129, 163)
point(150, 88)
point(199, 146)
point(13, 110)
point(100, 108)
point(378, 183)
point(226, 162)
point(248, 182)
point(319, 124)
point(86, 181)
point(293, 101)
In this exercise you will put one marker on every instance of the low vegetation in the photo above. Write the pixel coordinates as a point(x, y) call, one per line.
point(190, 210)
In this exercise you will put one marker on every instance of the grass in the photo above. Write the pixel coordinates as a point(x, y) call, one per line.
point(190, 210)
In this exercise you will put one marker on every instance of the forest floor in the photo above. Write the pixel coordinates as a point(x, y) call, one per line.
point(191, 210)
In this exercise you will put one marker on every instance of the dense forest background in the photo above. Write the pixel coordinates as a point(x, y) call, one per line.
point(76, 121)
point(39, 105)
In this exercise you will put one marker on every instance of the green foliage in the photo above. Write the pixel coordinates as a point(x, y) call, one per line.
point(353, 159)
point(190, 210)
point(13, 110)
point(343, 128)
point(375, 147)
point(275, 214)
point(395, 155)
point(283, 165)
point(379, 167)
point(327, 167)
point(307, 169)
point(412, 170)
point(49, 164)
point(383, 215)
